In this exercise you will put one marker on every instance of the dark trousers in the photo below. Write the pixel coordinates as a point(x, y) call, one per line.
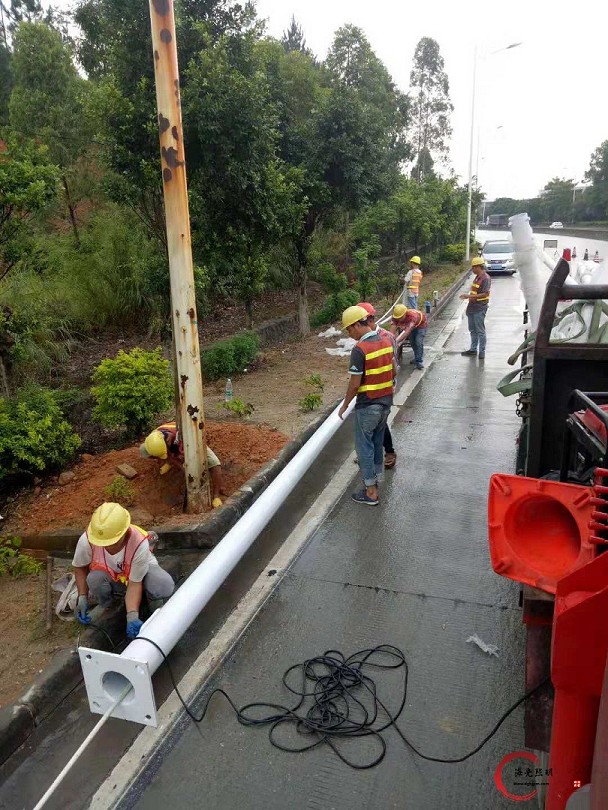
point(388, 441)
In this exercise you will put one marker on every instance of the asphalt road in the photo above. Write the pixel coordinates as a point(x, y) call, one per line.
point(415, 573)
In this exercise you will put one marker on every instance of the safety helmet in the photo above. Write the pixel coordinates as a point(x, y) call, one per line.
point(415, 260)
point(155, 444)
point(399, 311)
point(477, 261)
point(367, 307)
point(353, 314)
point(108, 524)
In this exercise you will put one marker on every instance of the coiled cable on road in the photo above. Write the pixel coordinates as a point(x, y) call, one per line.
point(337, 700)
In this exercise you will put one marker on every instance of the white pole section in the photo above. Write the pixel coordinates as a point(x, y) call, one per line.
point(169, 623)
point(467, 255)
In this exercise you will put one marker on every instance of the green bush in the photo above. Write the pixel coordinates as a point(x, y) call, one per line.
point(333, 307)
point(315, 381)
point(34, 435)
point(238, 407)
point(310, 402)
point(454, 254)
point(231, 356)
point(119, 490)
point(12, 560)
point(389, 284)
point(131, 389)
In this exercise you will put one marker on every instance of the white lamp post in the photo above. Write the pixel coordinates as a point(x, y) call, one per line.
point(470, 202)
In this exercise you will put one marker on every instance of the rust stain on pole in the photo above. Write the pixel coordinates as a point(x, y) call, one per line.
point(185, 327)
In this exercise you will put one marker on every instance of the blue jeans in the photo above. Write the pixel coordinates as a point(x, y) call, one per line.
point(370, 422)
point(417, 341)
point(477, 328)
point(412, 301)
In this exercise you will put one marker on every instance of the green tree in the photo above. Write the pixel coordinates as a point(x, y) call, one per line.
point(556, 200)
point(28, 182)
point(293, 38)
point(431, 105)
point(597, 173)
point(47, 100)
point(6, 80)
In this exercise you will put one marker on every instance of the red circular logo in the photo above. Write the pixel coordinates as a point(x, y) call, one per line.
point(498, 781)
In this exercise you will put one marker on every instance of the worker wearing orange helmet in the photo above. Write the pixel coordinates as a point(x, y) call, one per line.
point(479, 299)
point(410, 323)
point(413, 278)
point(113, 558)
point(164, 443)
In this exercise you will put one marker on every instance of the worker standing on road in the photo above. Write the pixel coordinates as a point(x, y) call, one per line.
point(164, 443)
point(412, 324)
point(413, 278)
point(113, 558)
point(390, 456)
point(372, 374)
point(479, 299)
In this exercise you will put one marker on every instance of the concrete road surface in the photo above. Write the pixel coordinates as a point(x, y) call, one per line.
point(413, 572)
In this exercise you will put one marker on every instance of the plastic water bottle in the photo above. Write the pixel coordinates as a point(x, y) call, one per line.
point(228, 392)
point(427, 306)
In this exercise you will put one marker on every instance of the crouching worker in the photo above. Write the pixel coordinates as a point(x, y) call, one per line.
point(164, 443)
point(113, 558)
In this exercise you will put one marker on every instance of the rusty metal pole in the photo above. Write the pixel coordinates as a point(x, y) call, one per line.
point(183, 303)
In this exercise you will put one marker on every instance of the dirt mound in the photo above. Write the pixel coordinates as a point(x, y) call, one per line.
point(242, 448)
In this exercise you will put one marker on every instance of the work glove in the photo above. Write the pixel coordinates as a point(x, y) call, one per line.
point(81, 611)
point(134, 624)
point(165, 469)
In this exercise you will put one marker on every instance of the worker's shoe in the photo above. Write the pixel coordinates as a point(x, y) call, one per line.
point(482, 357)
point(419, 366)
point(362, 497)
point(390, 459)
point(469, 353)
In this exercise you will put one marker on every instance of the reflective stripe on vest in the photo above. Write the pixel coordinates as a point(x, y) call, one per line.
point(414, 283)
point(479, 298)
point(137, 535)
point(377, 368)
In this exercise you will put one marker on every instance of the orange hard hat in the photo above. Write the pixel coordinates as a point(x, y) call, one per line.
point(367, 307)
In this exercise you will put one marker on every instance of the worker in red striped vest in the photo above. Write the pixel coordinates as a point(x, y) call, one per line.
point(372, 375)
point(479, 300)
point(410, 323)
point(413, 279)
point(113, 558)
point(165, 443)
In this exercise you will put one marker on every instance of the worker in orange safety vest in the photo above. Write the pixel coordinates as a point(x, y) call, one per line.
point(372, 374)
point(413, 278)
point(113, 558)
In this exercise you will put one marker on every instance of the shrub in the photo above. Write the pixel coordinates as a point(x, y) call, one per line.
point(238, 407)
point(454, 254)
point(333, 307)
point(389, 284)
point(34, 435)
point(310, 402)
point(120, 490)
point(12, 560)
point(227, 357)
point(131, 389)
point(315, 381)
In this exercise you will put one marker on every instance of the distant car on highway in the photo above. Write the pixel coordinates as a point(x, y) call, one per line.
point(556, 225)
point(498, 256)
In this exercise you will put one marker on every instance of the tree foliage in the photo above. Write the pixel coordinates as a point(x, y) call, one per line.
point(431, 105)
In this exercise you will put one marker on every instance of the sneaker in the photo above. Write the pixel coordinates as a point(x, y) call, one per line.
point(482, 357)
point(390, 459)
point(469, 353)
point(362, 497)
point(419, 366)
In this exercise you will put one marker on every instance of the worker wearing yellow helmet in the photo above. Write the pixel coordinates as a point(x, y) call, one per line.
point(410, 324)
point(113, 558)
point(479, 300)
point(372, 373)
point(413, 278)
point(164, 443)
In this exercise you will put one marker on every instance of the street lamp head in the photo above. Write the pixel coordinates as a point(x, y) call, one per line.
point(513, 45)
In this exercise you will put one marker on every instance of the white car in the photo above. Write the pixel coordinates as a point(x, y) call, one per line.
point(498, 256)
point(556, 225)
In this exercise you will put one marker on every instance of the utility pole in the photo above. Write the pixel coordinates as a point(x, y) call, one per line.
point(177, 218)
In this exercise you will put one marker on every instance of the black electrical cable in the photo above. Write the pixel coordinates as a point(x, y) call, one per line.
point(343, 703)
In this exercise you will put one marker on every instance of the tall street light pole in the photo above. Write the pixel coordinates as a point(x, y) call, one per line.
point(472, 138)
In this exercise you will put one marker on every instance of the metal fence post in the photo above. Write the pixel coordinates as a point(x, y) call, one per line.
point(183, 302)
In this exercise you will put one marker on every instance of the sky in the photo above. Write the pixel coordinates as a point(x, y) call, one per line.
point(541, 107)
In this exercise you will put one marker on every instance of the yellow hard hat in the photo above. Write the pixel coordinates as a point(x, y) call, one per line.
point(156, 445)
point(399, 311)
point(352, 315)
point(477, 261)
point(415, 260)
point(108, 524)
